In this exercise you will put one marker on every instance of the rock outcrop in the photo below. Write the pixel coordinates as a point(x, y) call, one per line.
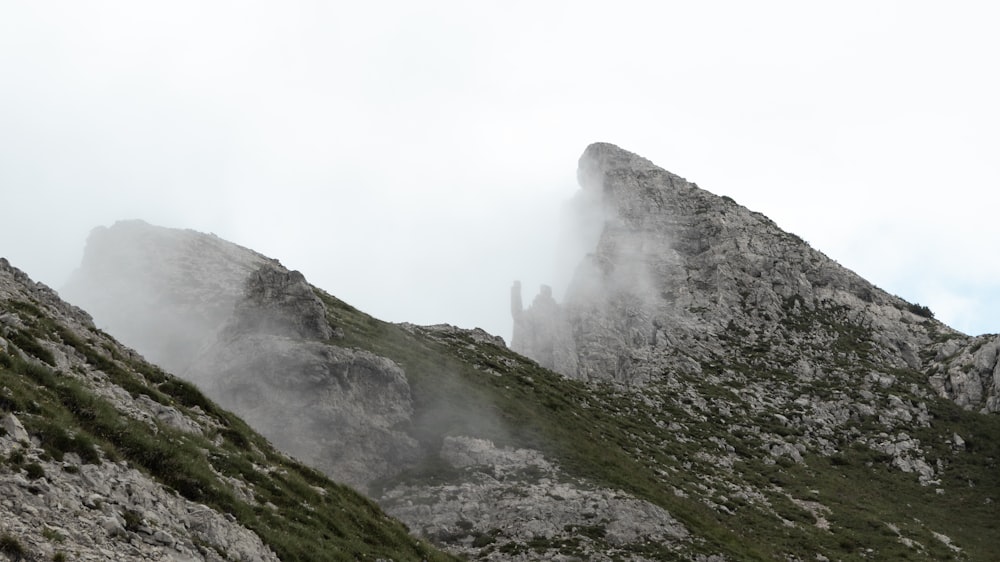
point(189, 281)
point(111, 511)
point(678, 272)
point(337, 409)
point(256, 338)
point(546, 508)
point(967, 370)
point(280, 358)
point(542, 332)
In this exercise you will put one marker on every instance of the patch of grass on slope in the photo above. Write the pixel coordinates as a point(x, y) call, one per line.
point(526, 406)
point(618, 441)
point(875, 511)
point(297, 512)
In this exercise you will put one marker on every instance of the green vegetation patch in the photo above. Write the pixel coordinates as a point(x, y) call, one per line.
point(613, 439)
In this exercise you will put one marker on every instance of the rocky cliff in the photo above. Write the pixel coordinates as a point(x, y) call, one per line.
point(192, 289)
point(255, 337)
point(106, 457)
point(679, 275)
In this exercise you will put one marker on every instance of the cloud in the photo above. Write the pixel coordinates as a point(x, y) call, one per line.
point(413, 158)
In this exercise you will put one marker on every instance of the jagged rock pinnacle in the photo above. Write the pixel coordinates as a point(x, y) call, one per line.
point(677, 272)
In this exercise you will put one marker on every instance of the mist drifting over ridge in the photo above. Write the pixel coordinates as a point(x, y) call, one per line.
point(261, 341)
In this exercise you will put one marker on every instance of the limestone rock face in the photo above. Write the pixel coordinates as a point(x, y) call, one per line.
point(336, 409)
point(678, 274)
point(43, 513)
point(190, 281)
point(542, 332)
point(256, 338)
point(543, 507)
point(94, 508)
point(967, 370)
point(280, 303)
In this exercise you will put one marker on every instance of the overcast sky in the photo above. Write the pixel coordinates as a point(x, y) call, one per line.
point(412, 157)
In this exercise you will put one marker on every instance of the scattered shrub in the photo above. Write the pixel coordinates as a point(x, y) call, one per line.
point(540, 543)
point(187, 394)
point(920, 310)
point(52, 535)
point(28, 344)
point(35, 471)
point(236, 438)
point(57, 441)
point(482, 540)
point(16, 458)
point(11, 547)
point(133, 520)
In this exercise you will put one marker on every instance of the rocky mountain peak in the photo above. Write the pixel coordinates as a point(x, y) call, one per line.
point(189, 280)
point(256, 338)
point(601, 158)
point(677, 274)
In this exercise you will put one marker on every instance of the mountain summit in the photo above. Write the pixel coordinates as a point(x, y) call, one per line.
point(682, 279)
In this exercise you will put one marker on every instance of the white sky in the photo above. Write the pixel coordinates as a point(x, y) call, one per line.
point(412, 157)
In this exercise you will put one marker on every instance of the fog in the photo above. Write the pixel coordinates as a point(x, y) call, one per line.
point(258, 340)
point(413, 160)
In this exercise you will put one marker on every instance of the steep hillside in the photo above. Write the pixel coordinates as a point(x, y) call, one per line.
point(106, 457)
point(837, 472)
point(726, 392)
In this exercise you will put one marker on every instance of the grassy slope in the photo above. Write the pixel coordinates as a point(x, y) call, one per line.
point(611, 438)
point(619, 441)
point(314, 518)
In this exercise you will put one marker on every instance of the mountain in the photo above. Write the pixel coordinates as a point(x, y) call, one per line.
point(710, 388)
point(682, 277)
point(104, 456)
point(234, 323)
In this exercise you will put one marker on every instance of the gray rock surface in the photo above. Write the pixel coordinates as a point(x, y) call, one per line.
point(256, 338)
point(81, 509)
point(188, 280)
point(13, 429)
point(542, 332)
point(516, 497)
point(967, 370)
point(678, 274)
point(336, 409)
point(101, 510)
point(278, 302)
